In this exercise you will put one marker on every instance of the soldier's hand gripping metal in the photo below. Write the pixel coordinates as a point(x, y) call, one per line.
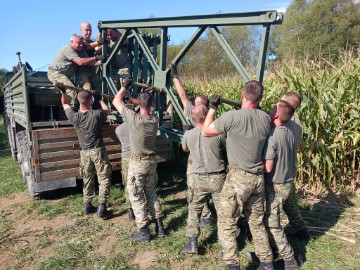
point(215, 101)
point(60, 87)
point(99, 57)
point(127, 83)
point(97, 96)
point(174, 72)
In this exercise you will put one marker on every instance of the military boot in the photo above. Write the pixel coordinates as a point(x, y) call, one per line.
point(191, 247)
point(103, 212)
point(159, 227)
point(131, 215)
point(233, 267)
point(266, 266)
point(291, 264)
point(89, 208)
point(142, 236)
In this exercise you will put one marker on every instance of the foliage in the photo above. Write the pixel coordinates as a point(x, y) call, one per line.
point(316, 26)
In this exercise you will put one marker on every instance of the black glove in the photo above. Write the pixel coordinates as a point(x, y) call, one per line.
point(61, 87)
point(126, 83)
point(99, 57)
point(174, 72)
point(100, 41)
point(126, 99)
point(97, 96)
point(215, 101)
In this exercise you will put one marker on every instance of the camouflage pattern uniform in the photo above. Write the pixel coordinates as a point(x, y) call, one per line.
point(190, 177)
point(62, 70)
point(246, 131)
point(93, 155)
point(209, 174)
point(86, 75)
point(290, 207)
point(280, 148)
point(142, 177)
point(122, 132)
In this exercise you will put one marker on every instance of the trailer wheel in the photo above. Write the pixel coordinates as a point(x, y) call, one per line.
point(24, 159)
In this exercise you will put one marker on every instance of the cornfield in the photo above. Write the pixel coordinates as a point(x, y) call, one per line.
point(329, 154)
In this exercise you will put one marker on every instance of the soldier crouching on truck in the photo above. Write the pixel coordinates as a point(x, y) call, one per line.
point(64, 66)
point(94, 160)
point(142, 177)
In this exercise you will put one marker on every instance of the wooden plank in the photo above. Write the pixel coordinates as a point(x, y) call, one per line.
point(59, 174)
point(74, 144)
point(70, 154)
point(115, 147)
point(36, 157)
point(58, 164)
point(114, 156)
point(56, 133)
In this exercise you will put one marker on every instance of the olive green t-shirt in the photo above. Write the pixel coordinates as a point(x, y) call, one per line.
point(142, 130)
point(207, 153)
point(295, 125)
point(88, 126)
point(246, 132)
point(122, 59)
point(122, 132)
point(280, 147)
point(188, 113)
point(63, 61)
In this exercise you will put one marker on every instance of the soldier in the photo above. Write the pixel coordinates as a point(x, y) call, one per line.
point(188, 106)
point(246, 131)
point(121, 64)
point(86, 75)
point(279, 165)
point(64, 66)
point(122, 132)
point(93, 156)
point(290, 207)
point(209, 167)
point(142, 177)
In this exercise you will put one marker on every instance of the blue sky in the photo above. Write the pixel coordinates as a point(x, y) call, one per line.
point(39, 28)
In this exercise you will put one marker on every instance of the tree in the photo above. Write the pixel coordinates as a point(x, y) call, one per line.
point(319, 27)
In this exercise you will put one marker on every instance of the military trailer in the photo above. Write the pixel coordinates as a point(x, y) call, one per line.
point(43, 140)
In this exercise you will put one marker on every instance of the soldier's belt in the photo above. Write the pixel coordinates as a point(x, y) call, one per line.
point(90, 148)
point(211, 173)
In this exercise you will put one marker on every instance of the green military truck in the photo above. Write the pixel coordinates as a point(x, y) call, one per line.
point(42, 139)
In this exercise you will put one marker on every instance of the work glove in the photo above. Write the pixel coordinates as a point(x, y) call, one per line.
point(174, 72)
point(61, 87)
point(215, 101)
point(100, 41)
point(97, 96)
point(99, 57)
point(127, 83)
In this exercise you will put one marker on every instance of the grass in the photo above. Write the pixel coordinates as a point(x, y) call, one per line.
point(53, 234)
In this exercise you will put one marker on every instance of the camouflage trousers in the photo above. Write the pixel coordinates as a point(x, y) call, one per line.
point(293, 213)
point(124, 176)
point(56, 77)
point(204, 186)
point(119, 74)
point(94, 162)
point(190, 180)
point(242, 191)
point(88, 79)
point(276, 195)
point(141, 185)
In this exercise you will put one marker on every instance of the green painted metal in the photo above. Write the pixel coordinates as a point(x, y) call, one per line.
point(150, 61)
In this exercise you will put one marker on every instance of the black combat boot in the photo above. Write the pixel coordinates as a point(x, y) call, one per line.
point(233, 267)
point(266, 266)
point(142, 236)
point(303, 234)
point(89, 208)
point(131, 215)
point(291, 264)
point(103, 212)
point(191, 247)
point(159, 227)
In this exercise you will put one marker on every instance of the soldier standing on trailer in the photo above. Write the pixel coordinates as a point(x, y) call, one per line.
point(246, 130)
point(209, 167)
point(121, 64)
point(142, 177)
point(86, 75)
point(93, 156)
point(188, 106)
point(64, 66)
